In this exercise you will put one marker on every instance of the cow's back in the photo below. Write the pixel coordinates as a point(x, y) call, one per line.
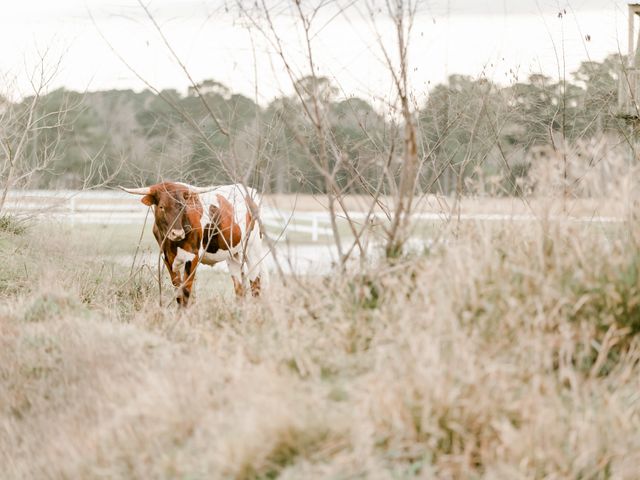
point(235, 195)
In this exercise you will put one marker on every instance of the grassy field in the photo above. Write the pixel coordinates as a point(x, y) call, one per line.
point(508, 351)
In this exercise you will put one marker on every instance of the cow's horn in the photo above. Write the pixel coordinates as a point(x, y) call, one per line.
point(137, 191)
point(202, 189)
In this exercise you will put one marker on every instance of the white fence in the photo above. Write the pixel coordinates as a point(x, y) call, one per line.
point(115, 207)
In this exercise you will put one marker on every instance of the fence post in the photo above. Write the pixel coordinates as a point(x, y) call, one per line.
point(72, 209)
point(314, 228)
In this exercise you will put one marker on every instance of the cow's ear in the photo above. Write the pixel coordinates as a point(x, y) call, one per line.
point(149, 200)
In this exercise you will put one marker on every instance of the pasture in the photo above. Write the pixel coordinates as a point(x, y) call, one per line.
point(452, 283)
point(504, 350)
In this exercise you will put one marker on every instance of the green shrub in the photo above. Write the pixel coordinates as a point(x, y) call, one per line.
point(12, 224)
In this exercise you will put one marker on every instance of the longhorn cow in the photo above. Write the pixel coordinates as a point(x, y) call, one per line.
point(207, 225)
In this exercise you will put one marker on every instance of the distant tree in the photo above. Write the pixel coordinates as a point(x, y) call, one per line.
point(471, 130)
point(209, 87)
point(600, 99)
point(313, 87)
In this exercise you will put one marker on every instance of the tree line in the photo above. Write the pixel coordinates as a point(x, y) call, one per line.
point(471, 130)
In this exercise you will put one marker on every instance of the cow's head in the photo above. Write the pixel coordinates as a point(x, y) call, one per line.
point(173, 206)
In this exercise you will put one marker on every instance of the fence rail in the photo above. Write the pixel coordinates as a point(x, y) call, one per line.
point(108, 207)
point(115, 207)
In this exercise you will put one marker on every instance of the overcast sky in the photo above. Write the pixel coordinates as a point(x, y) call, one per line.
point(502, 39)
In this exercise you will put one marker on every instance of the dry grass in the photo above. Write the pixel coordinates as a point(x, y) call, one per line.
point(610, 205)
point(508, 352)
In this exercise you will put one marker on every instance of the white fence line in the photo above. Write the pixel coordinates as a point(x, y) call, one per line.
point(115, 207)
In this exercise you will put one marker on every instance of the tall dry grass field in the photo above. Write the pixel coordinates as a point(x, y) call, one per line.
point(508, 351)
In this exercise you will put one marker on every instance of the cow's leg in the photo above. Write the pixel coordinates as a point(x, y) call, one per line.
point(255, 286)
point(254, 273)
point(169, 257)
point(185, 263)
point(190, 276)
point(235, 269)
point(255, 265)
